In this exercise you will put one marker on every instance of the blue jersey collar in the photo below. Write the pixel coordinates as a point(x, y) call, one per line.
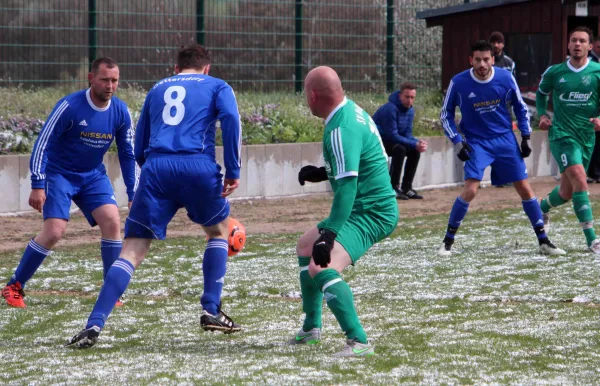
point(91, 103)
point(488, 80)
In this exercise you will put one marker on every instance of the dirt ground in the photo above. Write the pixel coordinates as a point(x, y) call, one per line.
point(284, 215)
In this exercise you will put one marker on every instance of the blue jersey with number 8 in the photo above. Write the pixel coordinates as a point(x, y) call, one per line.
point(180, 115)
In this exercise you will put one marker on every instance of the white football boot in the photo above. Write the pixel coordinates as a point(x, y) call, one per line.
point(595, 247)
point(355, 349)
point(547, 248)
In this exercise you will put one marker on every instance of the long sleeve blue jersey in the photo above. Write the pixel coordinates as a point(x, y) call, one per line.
point(484, 106)
point(180, 115)
point(76, 136)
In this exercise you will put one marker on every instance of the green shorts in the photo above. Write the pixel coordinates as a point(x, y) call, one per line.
point(568, 151)
point(362, 230)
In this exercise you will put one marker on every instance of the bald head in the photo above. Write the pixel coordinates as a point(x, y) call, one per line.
point(323, 80)
point(323, 90)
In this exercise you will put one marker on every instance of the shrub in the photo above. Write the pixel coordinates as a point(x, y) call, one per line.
point(266, 117)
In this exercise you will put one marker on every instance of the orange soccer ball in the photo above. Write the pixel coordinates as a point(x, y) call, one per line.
point(237, 237)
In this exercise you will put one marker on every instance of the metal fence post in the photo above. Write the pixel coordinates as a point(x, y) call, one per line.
point(389, 47)
point(200, 35)
point(92, 33)
point(298, 46)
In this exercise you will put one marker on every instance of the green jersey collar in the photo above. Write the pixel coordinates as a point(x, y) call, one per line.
point(580, 68)
point(331, 114)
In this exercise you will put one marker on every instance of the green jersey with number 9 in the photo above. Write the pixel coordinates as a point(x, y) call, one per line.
point(352, 147)
point(575, 98)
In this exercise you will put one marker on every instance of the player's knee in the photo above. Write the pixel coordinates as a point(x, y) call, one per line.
point(566, 194)
point(314, 269)
point(218, 231)
point(52, 235)
point(469, 194)
point(303, 248)
point(111, 227)
point(114, 226)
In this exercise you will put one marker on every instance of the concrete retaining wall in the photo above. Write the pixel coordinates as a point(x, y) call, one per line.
point(272, 170)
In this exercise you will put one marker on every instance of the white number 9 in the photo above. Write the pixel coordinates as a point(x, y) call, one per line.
point(563, 158)
point(170, 103)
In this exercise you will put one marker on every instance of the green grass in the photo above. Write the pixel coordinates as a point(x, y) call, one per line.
point(496, 312)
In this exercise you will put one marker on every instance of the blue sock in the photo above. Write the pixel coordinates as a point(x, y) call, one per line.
point(534, 212)
point(115, 283)
point(457, 215)
point(32, 258)
point(110, 250)
point(214, 266)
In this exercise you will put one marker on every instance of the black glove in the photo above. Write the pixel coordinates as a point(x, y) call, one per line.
point(463, 154)
point(321, 252)
point(525, 149)
point(312, 174)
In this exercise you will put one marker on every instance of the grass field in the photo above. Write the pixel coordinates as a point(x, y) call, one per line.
point(497, 312)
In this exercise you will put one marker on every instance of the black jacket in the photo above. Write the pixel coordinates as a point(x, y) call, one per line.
point(505, 62)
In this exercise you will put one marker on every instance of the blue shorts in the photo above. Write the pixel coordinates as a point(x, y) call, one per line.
point(88, 190)
point(502, 153)
point(169, 182)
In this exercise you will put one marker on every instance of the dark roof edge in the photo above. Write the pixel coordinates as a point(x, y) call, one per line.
point(431, 13)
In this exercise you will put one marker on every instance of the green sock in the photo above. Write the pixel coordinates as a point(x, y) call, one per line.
point(553, 199)
point(341, 302)
point(312, 298)
point(583, 210)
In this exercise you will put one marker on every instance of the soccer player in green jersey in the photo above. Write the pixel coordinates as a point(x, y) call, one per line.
point(575, 88)
point(364, 210)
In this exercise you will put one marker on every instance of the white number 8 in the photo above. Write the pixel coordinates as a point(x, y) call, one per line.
point(563, 158)
point(170, 103)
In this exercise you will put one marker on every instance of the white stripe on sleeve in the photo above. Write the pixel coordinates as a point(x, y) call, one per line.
point(541, 80)
point(521, 101)
point(444, 114)
point(336, 151)
point(45, 136)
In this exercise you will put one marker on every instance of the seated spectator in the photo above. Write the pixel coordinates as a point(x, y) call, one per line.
point(394, 121)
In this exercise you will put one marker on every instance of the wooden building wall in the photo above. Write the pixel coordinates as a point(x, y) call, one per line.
point(538, 16)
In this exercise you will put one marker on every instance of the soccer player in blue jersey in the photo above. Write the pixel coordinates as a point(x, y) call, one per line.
point(175, 146)
point(66, 165)
point(483, 93)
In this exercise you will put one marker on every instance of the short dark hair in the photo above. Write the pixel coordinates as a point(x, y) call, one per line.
point(583, 29)
point(481, 45)
point(496, 37)
point(107, 61)
point(596, 39)
point(193, 56)
point(407, 86)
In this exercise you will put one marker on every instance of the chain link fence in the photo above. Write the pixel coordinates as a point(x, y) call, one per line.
point(260, 45)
